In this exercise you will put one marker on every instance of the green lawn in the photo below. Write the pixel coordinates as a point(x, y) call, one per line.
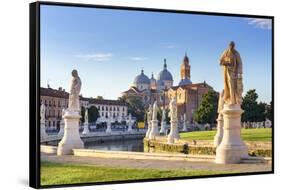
point(247, 135)
point(57, 174)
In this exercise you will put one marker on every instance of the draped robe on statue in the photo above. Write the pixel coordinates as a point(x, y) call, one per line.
point(232, 74)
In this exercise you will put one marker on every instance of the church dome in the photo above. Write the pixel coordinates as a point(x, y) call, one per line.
point(141, 79)
point(165, 74)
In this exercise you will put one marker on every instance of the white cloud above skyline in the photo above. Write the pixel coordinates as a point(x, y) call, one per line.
point(96, 56)
point(138, 58)
point(260, 23)
point(169, 46)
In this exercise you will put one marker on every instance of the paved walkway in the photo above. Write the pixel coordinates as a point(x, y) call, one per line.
point(155, 164)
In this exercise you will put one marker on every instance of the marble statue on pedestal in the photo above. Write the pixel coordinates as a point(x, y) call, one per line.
point(267, 123)
point(108, 125)
point(174, 134)
point(43, 134)
point(231, 149)
point(71, 138)
point(154, 123)
point(130, 123)
point(163, 122)
point(149, 118)
point(219, 134)
point(184, 128)
point(86, 123)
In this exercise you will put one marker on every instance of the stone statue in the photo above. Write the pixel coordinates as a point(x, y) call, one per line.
point(221, 102)
point(232, 74)
point(149, 114)
point(86, 116)
point(74, 92)
point(149, 118)
point(163, 115)
point(42, 113)
point(154, 115)
point(173, 110)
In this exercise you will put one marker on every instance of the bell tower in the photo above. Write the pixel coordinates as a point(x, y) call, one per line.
point(185, 68)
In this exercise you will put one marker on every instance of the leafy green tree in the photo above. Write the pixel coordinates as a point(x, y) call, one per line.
point(253, 111)
point(93, 114)
point(82, 119)
point(99, 97)
point(135, 106)
point(207, 110)
point(268, 111)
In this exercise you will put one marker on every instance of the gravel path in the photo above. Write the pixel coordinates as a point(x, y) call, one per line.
point(155, 164)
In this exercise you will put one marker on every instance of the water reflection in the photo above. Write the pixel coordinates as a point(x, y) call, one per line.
point(121, 145)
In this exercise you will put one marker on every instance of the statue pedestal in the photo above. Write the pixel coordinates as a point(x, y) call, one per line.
point(108, 128)
point(174, 134)
point(163, 127)
point(43, 134)
point(148, 130)
point(231, 148)
point(71, 138)
point(61, 132)
point(219, 134)
point(154, 129)
point(130, 128)
point(86, 129)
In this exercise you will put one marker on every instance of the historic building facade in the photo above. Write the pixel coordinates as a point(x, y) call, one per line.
point(56, 100)
point(187, 94)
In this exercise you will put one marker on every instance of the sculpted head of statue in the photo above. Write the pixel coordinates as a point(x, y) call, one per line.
point(74, 73)
point(232, 45)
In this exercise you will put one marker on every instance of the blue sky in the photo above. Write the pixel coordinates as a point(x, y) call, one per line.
point(110, 47)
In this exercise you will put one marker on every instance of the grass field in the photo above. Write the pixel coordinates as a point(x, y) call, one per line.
point(247, 135)
point(57, 174)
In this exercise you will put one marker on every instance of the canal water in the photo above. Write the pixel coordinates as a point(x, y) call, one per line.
point(133, 145)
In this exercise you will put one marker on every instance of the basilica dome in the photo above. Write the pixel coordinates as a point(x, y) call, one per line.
point(141, 79)
point(165, 75)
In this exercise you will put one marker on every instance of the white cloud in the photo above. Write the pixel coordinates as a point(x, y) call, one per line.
point(260, 23)
point(138, 58)
point(96, 56)
point(169, 46)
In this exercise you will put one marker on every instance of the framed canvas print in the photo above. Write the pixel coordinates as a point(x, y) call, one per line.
point(122, 94)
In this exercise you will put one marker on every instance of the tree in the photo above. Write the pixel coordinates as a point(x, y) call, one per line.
point(82, 119)
point(99, 97)
point(93, 114)
point(207, 110)
point(268, 111)
point(253, 111)
point(135, 106)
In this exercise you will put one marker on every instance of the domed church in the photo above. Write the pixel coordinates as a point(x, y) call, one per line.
point(188, 95)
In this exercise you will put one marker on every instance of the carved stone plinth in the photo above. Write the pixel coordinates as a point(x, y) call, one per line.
point(86, 129)
point(219, 134)
point(154, 129)
point(231, 148)
point(108, 128)
point(163, 127)
point(174, 134)
point(71, 138)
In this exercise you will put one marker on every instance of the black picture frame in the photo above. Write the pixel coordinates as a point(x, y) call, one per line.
point(34, 89)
